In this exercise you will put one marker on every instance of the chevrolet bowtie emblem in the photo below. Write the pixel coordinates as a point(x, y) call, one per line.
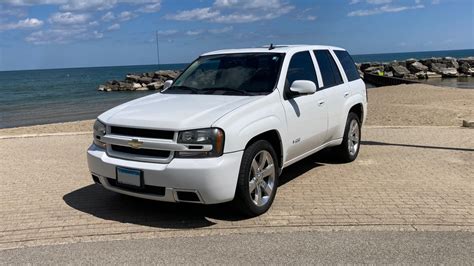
point(135, 143)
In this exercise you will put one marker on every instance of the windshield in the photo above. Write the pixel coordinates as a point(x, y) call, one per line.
point(230, 74)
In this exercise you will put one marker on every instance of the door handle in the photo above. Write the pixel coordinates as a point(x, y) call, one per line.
point(346, 94)
point(321, 103)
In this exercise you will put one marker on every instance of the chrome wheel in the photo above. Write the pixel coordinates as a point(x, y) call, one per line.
point(354, 137)
point(262, 178)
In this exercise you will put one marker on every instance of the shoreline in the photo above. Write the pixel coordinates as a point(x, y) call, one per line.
point(402, 105)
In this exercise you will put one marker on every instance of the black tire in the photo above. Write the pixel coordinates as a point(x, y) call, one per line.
point(243, 200)
point(343, 153)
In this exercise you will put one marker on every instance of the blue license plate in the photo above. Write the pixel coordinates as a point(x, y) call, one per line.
point(129, 177)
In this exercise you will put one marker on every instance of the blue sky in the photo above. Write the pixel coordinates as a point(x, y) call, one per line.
point(73, 33)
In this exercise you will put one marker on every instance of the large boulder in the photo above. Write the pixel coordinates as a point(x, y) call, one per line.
point(409, 76)
point(388, 73)
point(437, 67)
point(146, 80)
point(366, 65)
point(136, 86)
point(155, 85)
point(421, 75)
point(132, 78)
point(430, 74)
point(125, 86)
point(469, 60)
point(449, 72)
point(410, 61)
point(451, 62)
point(464, 68)
point(416, 67)
point(399, 71)
point(165, 75)
point(112, 82)
point(375, 70)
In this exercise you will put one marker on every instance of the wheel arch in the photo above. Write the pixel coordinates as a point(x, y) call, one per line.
point(358, 109)
point(274, 138)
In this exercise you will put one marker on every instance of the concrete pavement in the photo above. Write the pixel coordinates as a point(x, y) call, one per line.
point(406, 178)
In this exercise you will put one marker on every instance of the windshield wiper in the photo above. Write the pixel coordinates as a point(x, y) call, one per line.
point(242, 92)
point(193, 90)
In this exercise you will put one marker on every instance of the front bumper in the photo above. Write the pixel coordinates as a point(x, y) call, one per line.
point(213, 179)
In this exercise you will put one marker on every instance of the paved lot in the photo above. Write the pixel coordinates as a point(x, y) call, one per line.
point(417, 178)
point(300, 248)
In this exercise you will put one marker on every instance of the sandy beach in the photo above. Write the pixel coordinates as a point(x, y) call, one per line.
point(403, 105)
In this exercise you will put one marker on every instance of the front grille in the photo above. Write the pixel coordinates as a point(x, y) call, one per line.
point(159, 191)
point(143, 152)
point(144, 133)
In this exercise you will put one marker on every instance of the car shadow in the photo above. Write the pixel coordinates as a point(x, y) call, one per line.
point(99, 202)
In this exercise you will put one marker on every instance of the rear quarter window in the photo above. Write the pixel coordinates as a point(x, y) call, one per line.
point(348, 65)
point(329, 70)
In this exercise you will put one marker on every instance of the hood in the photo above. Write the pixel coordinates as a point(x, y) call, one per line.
point(174, 111)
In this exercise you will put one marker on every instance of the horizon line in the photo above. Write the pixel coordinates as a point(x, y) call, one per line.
point(77, 67)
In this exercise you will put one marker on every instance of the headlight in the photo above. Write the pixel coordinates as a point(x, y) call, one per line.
point(99, 132)
point(199, 137)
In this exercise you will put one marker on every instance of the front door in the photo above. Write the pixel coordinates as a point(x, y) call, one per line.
point(306, 114)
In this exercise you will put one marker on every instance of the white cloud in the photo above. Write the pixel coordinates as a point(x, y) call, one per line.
point(235, 11)
point(309, 18)
point(28, 23)
point(13, 12)
point(78, 5)
point(249, 4)
point(167, 32)
point(125, 15)
point(194, 32)
point(108, 16)
point(379, 2)
point(210, 31)
point(62, 36)
point(221, 30)
point(195, 14)
point(372, 2)
point(305, 15)
point(435, 2)
point(382, 9)
point(113, 27)
point(150, 8)
point(68, 18)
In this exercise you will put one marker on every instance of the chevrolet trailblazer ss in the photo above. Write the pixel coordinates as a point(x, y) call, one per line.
point(228, 125)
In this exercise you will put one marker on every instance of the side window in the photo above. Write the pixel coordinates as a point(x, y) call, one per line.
point(328, 68)
point(348, 65)
point(301, 68)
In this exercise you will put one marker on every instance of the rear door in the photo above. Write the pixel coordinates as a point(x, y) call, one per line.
point(306, 115)
point(336, 91)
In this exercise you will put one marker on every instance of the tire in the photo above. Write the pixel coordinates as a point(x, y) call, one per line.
point(254, 175)
point(350, 146)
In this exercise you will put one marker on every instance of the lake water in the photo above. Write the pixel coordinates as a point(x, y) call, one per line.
point(58, 95)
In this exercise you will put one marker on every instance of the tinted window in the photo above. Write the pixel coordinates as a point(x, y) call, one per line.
point(328, 68)
point(301, 68)
point(348, 65)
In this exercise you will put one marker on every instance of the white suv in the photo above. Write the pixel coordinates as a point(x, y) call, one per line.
point(229, 124)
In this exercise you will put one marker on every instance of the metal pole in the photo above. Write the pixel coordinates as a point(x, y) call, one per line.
point(157, 50)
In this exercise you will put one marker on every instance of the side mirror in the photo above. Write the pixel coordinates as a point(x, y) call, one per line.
point(303, 87)
point(167, 84)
